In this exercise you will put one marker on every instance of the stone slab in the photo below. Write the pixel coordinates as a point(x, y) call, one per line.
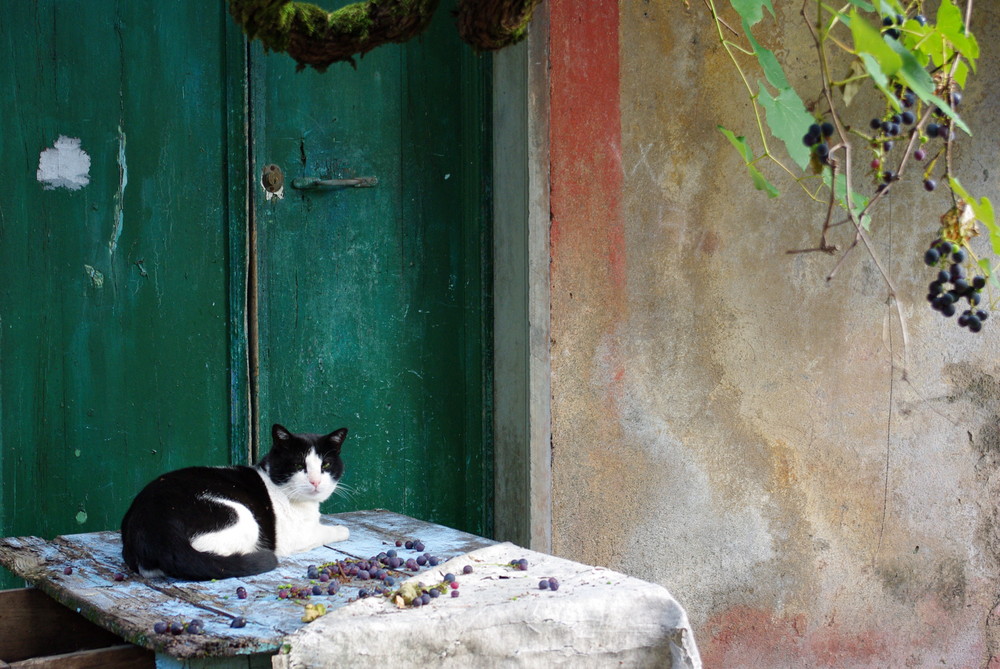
point(597, 618)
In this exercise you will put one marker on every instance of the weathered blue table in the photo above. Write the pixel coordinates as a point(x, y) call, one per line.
point(593, 617)
point(132, 606)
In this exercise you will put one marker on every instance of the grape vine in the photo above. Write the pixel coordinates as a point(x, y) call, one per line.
point(917, 65)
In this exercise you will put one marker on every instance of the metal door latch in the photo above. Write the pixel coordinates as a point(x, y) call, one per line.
point(316, 183)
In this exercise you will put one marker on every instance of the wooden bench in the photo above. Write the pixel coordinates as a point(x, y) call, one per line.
point(588, 613)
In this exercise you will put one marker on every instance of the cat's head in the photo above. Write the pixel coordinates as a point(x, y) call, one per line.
point(306, 467)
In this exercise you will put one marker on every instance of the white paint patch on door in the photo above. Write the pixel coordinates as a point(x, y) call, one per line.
point(65, 165)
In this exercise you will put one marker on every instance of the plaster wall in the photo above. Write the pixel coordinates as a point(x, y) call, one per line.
point(726, 422)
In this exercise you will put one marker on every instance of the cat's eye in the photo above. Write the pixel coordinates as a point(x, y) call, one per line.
point(326, 466)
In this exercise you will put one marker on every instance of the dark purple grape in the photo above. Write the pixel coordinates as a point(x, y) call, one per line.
point(119, 576)
point(390, 553)
point(522, 564)
point(827, 129)
point(421, 560)
point(887, 145)
point(949, 310)
point(67, 570)
point(363, 575)
point(875, 124)
point(909, 99)
point(979, 282)
point(241, 592)
point(408, 545)
point(467, 569)
point(434, 594)
point(454, 593)
point(284, 594)
point(312, 572)
point(399, 543)
point(919, 154)
point(196, 626)
point(412, 565)
point(956, 98)
point(553, 584)
point(974, 298)
point(963, 320)
point(929, 184)
point(160, 627)
point(934, 288)
point(982, 315)
point(962, 286)
point(543, 584)
point(974, 324)
point(921, 19)
point(333, 588)
point(907, 117)
point(958, 256)
point(318, 590)
point(933, 129)
point(417, 601)
point(418, 545)
point(425, 598)
point(956, 272)
point(238, 621)
point(931, 256)
point(888, 176)
point(433, 561)
point(887, 21)
point(449, 577)
point(176, 628)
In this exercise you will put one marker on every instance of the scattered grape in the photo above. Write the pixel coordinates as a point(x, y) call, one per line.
point(467, 569)
point(929, 184)
point(553, 584)
point(919, 154)
point(241, 592)
point(454, 593)
point(119, 576)
point(67, 570)
point(543, 584)
point(160, 627)
point(931, 256)
point(238, 621)
point(176, 628)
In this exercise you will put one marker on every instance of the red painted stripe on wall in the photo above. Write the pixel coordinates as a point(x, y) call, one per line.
point(585, 128)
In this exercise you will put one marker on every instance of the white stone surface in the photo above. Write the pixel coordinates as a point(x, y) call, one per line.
point(597, 618)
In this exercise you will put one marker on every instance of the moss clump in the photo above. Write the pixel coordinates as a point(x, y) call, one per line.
point(317, 38)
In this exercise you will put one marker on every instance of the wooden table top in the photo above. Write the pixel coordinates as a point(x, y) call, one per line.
point(131, 607)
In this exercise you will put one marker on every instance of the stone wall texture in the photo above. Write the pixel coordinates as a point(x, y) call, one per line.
point(727, 423)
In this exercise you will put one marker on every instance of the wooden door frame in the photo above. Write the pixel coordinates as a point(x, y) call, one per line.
point(522, 433)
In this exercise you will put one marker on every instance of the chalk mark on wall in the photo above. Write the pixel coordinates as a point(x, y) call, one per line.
point(65, 165)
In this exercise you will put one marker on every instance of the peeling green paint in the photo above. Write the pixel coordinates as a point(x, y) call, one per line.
point(96, 276)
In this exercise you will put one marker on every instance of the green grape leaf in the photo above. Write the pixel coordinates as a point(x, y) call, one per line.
point(961, 73)
point(853, 85)
point(868, 40)
point(788, 120)
point(919, 81)
point(863, 5)
point(773, 71)
point(983, 210)
point(739, 141)
point(987, 267)
point(952, 27)
point(878, 77)
point(857, 199)
point(750, 10)
point(760, 182)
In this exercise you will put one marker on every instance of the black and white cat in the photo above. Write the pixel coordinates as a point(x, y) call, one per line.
point(201, 523)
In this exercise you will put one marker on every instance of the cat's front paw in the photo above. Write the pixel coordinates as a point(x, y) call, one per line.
point(333, 533)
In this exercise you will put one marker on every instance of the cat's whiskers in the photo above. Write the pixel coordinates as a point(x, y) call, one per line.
point(345, 491)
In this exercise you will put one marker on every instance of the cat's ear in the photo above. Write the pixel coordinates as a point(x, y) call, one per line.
point(336, 438)
point(280, 435)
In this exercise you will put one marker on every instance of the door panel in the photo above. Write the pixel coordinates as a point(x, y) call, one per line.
point(372, 302)
point(114, 291)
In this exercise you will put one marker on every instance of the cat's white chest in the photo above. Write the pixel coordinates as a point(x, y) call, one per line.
point(297, 524)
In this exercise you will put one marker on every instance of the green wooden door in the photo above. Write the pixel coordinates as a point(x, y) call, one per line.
point(115, 356)
point(130, 307)
point(372, 302)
